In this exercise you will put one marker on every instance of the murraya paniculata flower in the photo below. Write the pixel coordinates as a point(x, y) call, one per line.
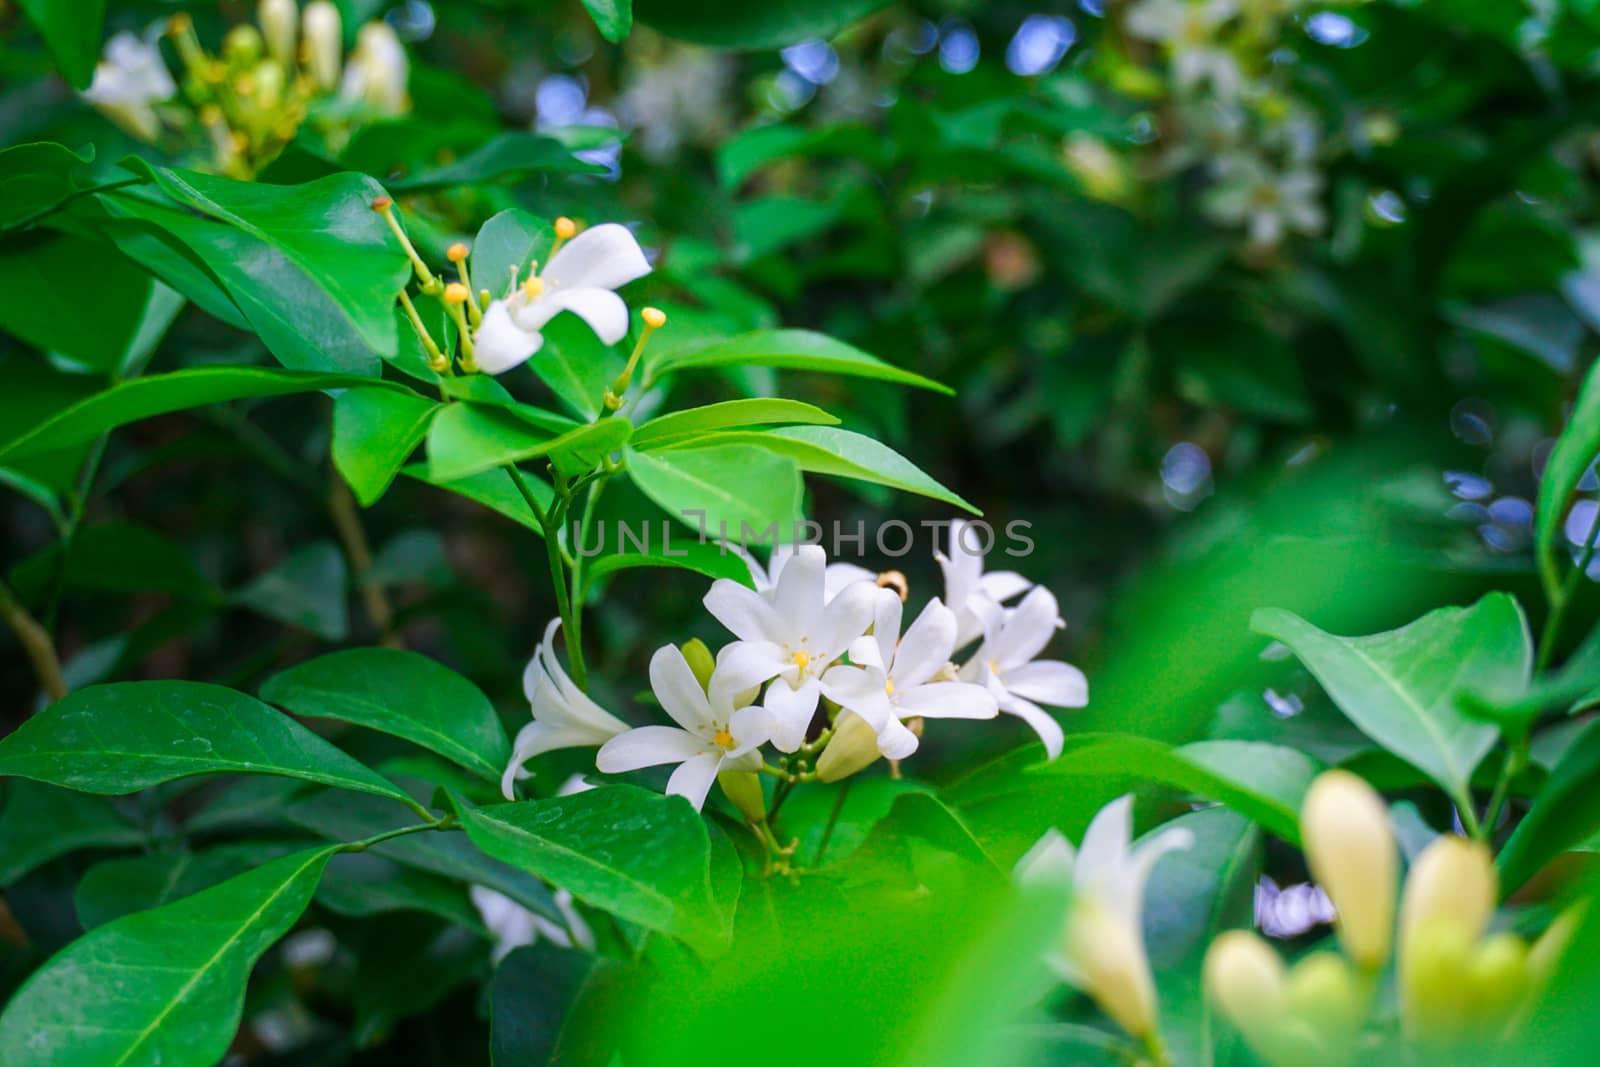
point(1101, 950)
point(378, 72)
point(976, 597)
point(1005, 664)
point(1350, 847)
point(512, 926)
point(564, 716)
point(129, 81)
point(765, 578)
point(711, 736)
point(1189, 31)
point(582, 276)
point(1265, 202)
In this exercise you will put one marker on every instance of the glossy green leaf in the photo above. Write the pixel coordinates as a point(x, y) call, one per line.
point(159, 987)
point(1401, 688)
point(116, 557)
point(535, 1006)
point(39, 823)
point(327, 228)
point(1565, 813)
point(127, 736)
point(71, 30)
point(493, 489)
point(613, 18)
point(669, 546)
point(502, 155)
point(1574, 451)
point(640, 855)
point(760, 411)
point(723, 490)
point(118, 887)
point(469, 439)
point(788, 350)
point(725, 24)
point(161, 394)
point(36, 177)
point(44, 273)
point(512, 238)
point(400, 693)
point(361, 885)
point(374, 432)
point(577, 367)
point(308, 588)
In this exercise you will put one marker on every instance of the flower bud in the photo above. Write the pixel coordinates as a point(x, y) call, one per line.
point(1108, 952)
point(269, 87)
point(853, 747)
point(379, 71)
point(1323, 991)
point(1351, 850)
point(279, 25)
point(1496, 978)
point(1245, 979)
point(1432, 1004)
point(743, 788)
point(323, 42)
point(243, 43)
point(1453, 884)
point(701, 663)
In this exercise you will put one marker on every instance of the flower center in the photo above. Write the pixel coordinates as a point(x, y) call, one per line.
point(723, 739)
point(994, 665)
point(801, 659)
point(888, 686)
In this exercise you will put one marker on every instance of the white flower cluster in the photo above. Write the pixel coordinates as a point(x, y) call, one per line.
point(1236, 117)
point(809, 631)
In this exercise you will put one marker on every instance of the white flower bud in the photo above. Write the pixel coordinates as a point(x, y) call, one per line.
point(1108, 952)
point(323, 41)
point(853, 747)
point(1351, 849)
point(1449, 897)
point(1245, 978)
point(280, 26)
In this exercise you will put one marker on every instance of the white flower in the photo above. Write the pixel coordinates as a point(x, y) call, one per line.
point(974, 596)
point(1005, 664)
point(790, 635)
point(511, 925)
point(1102, 948)
point(129, 81)
point(1188, 30)
point(579, 278)
point(836, 577)
point(563, 714)
point(888, 681)
point(323, 38)
point(1264, 201)
point(710, 736)
point(280, 28)
point(377, 73)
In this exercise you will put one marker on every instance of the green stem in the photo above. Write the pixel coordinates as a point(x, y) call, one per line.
point(70, 197)
point(579, 562)
point(1558, 605)
point(446, 823)
point(1516, 758)
point(833, 819)
point(550, 521)
point(1469, 818)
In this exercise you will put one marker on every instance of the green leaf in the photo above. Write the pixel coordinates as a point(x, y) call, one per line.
point(361, 884)
point(374, 433)
point(40, 823)
point(326, 227)
point(1565, 813)
point(129, 884)
point(494, 490)
point(36, 177)
point(342, 817)
point(116, 557)
point(128, 736)
point(640, 855)
point(533, 1021)
point(684, 554)
point(161, 394)
point(512, 238)
point(721, 490)
point(576, 365)
point(761, 411)
point(168, 984)
point(502, 155)
point(400, 693)
point(614, 18)
point(308, 588)
point(839, 454)
point(728, 24)
point(1265, 783)
point(469, 439)
point(1401, 688)
point(1572, 455)
point(71, 30)
point(788, 350)
point(44, 272)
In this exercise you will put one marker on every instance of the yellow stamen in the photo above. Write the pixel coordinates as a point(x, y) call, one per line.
point(994, 666)
point(566, 229)
point(533, 287)
point(384, 206)
point(654, 319)
point(457, 252)
point(888, 687)
point(723, 739)
point(455, 293)
point(801, 659)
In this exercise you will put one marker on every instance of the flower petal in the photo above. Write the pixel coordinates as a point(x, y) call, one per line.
point(647, 746)
point(840, 575)
point(751, 728)
point(602, 309)
point(845, 618)
point(861, 690)
point(792, 711)
point(799, 594)
point(1043, 723)
point(895, 741)
point(1049, 862)
point(500, 344)
point(674, 684)
point(1027, 629)
point(1003, 585)
point(1048, 681)
point(926, 647)
point(948, 700)
point(692, 781)
point(607, 256)
point(743, 665)
point(746, 613)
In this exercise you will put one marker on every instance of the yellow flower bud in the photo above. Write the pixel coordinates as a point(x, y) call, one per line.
point(243, 43)
point(700, 661)
point(566, 228)
point(1451, 884)
point(279, 25)
point(1351, 850)
point(1244, 977)
point(1496, 979)
point(456, 293)
point(1324, 992)
point(323, 41)
point(1109, 953)
point(269, 87)
point(853, 747)
point(1432, 1004)
point(743, 788)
